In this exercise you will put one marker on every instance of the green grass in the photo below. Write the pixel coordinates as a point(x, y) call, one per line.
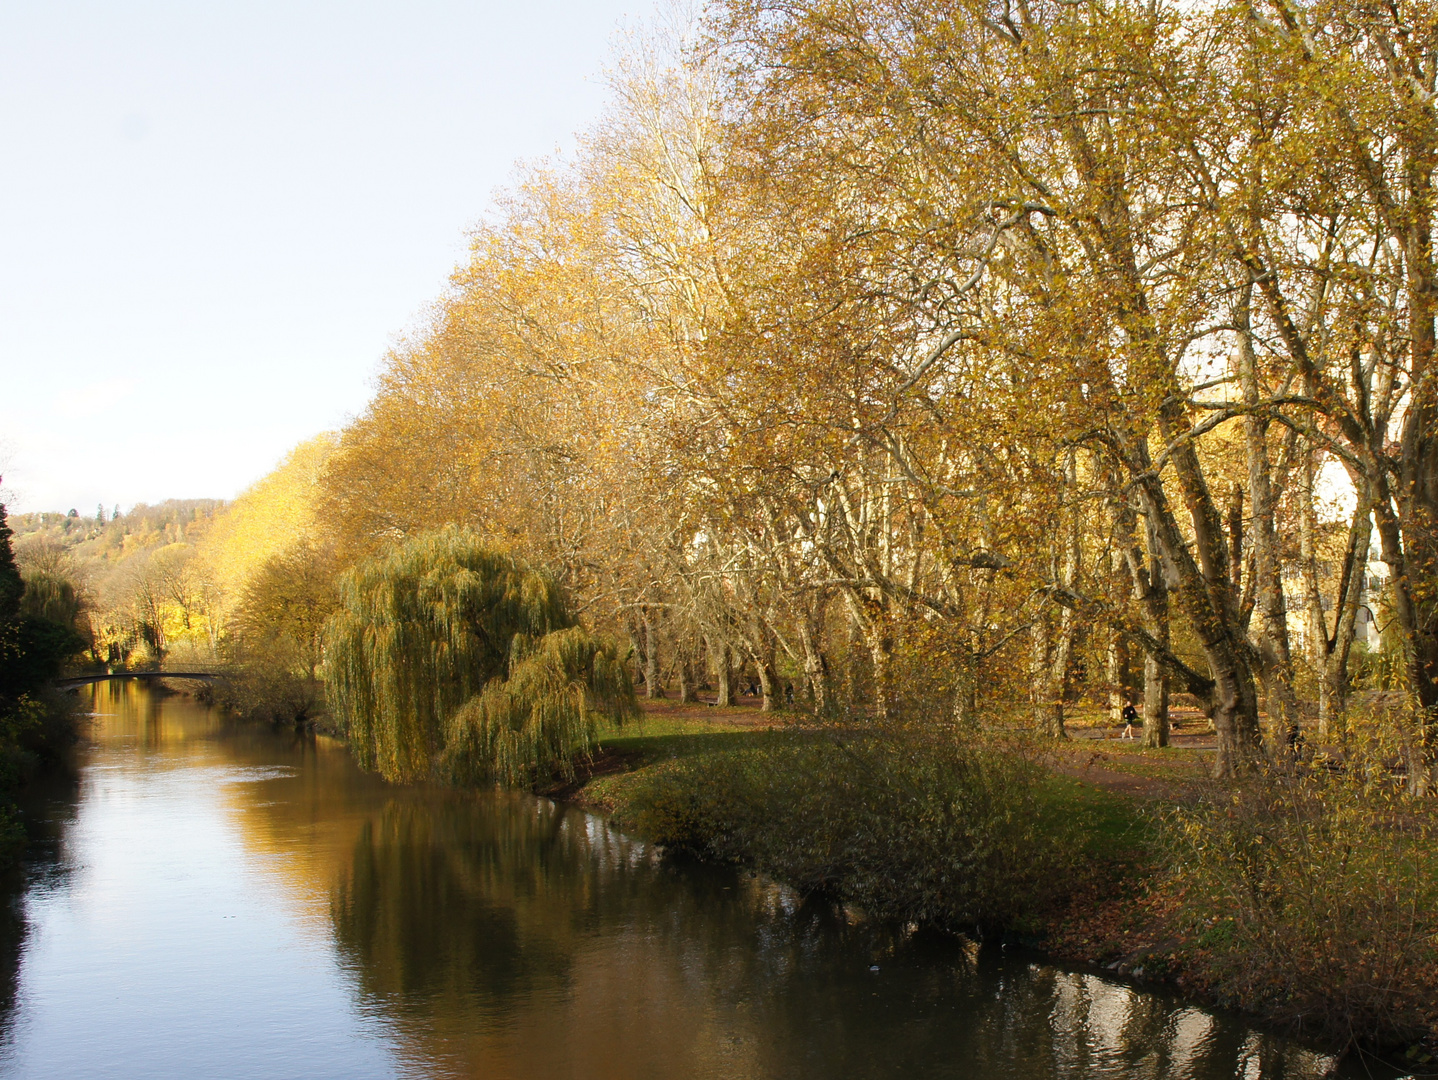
point(1110, 826)
point(656, 737)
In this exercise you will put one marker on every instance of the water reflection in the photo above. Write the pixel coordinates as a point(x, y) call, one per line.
point(12, 938)
point(244, 903)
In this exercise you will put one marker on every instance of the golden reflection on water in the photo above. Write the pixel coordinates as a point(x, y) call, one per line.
point(505, 936)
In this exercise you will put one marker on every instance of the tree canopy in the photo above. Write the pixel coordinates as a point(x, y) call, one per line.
point(921, 360)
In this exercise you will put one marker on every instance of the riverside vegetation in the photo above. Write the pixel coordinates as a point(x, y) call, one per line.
point(946, 373)
point(1306, 898)
point(37, 636)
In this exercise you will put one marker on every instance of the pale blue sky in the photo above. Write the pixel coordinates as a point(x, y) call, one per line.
point(215, 217)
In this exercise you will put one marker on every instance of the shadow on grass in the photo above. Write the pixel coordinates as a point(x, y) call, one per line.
point(1109, 826)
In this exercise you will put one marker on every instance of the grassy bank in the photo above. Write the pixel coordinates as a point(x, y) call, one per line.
point(1308, 902)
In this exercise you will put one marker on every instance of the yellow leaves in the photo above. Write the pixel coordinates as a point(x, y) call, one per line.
point(266, 520)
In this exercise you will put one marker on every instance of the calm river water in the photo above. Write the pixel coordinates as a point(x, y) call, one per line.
point(223, 901)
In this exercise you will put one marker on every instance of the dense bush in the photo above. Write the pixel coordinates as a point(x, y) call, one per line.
point(1314, 899)
point(905, 828)
point(267, 681)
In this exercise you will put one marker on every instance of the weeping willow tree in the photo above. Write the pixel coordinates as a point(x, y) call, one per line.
point(535, 722)
point(51, 597)
point(443, 639)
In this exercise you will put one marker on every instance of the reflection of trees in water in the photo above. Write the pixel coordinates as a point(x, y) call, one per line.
point(480, 899)
point(49, 804)
point(940, 1007)
point(460, 911)
point(1087, 1025)
point(12, 940)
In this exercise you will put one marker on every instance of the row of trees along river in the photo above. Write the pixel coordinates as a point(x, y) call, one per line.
point(945, 367)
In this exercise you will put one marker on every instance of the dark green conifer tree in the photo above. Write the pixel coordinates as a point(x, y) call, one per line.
point(12, 588)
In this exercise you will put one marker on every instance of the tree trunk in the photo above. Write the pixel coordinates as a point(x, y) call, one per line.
point(1276, 657)
point(1198, 563)
point(1150, 589)
point(764, 666)
point(1052, 647)
point(686, 684)
point(868, 625)
point(1116, 675)
point(1333, 682)
point(1315, 622)
point(1155, 702)
point(1154, 597)
point(719, 656)
point(1206, 594)
point(768, 684)
point(1045, 691)
point(1419, 469)
point(816, 668)
point(652, 689)
point(966, 694)
point(881, 649)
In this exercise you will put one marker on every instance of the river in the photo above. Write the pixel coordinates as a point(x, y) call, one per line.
point(220, 900)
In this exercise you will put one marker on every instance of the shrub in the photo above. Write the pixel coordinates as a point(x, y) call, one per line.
point(906, 828)
point(1315, 901)
point(268, 682)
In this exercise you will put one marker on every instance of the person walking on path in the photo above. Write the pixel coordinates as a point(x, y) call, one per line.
point(1130, 718)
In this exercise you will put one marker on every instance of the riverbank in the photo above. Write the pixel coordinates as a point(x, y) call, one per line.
point(1137, 891)
point(375, 930)
point(1294, 903)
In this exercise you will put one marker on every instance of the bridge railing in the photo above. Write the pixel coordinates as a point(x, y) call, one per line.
point(75, 681)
